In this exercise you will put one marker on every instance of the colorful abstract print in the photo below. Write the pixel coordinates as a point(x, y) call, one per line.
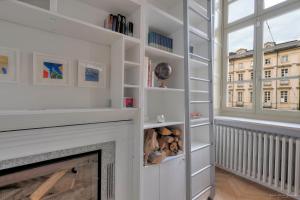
point(91, 75)
point(53, 70)
point(3, 64)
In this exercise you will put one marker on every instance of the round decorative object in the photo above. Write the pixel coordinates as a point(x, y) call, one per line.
point(163, 71)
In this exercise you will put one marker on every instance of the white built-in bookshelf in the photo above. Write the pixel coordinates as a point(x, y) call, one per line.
point(75, 30)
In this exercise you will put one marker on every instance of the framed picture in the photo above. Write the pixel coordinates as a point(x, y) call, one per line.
point(9, 65)
point(50, 70)
point(91, 74)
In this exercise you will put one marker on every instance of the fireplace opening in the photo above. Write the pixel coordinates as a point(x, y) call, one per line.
point(76, 177)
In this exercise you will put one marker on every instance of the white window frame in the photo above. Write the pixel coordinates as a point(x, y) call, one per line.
point(256, 19)
point(284, 98)
point(267, 96)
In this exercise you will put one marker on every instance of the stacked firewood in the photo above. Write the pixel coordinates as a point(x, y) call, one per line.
point(160, 143)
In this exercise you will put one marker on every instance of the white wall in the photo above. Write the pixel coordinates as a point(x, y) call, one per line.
point(26, 96)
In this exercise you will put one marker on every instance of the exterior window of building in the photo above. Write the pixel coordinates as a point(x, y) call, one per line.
point(276, 44)
point(268, 74)
point(284, 72)
point(251, 97)
point(230, 96)
point(240, 77)
point(284, 96)
point(229, 78)
point(240, 97)
point(284, 59)
point(267, 61)
point(241, 65)
point(267, 97)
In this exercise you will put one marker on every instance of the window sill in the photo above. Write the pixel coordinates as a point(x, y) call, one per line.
point(280, 128)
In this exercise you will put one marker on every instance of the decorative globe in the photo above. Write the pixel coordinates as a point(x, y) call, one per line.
point(163, 72)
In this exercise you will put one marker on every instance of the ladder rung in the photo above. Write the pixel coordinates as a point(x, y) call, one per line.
point(199, 33)
point(199, 91)
point(199, 79)
point(199, 102)
point(199, 13)
point(198, 125)
point(200, 57)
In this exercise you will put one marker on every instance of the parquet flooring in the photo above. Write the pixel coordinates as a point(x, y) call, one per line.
point(232, 187)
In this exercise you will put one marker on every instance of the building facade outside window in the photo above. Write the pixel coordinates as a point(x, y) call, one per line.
point(267, 61)
point(268, 74)
point(284, 72)
point(267, 97)
point(240, 77)
point(284, 58)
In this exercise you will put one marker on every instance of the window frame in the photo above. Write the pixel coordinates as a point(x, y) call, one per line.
point(257, 20)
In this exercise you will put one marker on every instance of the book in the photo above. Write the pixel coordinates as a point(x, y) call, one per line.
point(146, 71)
point(160, 41)
point(114, 24)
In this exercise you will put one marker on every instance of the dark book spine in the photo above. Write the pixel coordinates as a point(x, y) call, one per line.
point(119, 23)
point(123, 27)
point(114, 24)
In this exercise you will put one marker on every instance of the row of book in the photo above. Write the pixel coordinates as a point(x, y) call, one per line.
point(118, 23)
point(160, 41)
point(149, 73)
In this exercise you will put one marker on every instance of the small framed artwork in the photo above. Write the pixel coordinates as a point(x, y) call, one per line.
point(91, 74)
point(50, 70)
point(9, 65)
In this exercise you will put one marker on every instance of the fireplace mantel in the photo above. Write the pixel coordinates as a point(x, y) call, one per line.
point(29, 119)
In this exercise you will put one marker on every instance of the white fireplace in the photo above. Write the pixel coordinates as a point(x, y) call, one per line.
point(56, 151)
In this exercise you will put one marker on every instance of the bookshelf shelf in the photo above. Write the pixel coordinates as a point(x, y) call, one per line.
point(198, 145)
point(49, 21)
point(164, 89)
point(162, 55)
point(148, 125)
point(131, 86)
point(158, 19)
point(129, 64)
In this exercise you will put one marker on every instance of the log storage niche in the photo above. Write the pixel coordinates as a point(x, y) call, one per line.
point(162, 143)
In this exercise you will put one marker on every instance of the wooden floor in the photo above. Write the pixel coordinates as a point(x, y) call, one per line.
point(232, 187)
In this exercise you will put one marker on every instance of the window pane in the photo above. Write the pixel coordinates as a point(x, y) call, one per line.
point(238, 9)
point(270, 3)
point(281, 70)
point(240, 68)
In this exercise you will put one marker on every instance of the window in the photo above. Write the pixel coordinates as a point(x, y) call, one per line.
point(267, 61)
point(251, 97)
point(284, 72)
point(270, 3)
point(274, 52)
point(267, 97)
point(235, 12)
point(268, 74)
point(284, 59)
point(284, 96)
point(240, 97)
point(240, 52)
point(240, 77)
point(229, 78)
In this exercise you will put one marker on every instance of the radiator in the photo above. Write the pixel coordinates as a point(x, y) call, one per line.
point(268, 159)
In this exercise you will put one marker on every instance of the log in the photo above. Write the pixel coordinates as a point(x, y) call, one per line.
point(150, 143)
point(165, 131)
point(180, 144)
point(162, 144)
point(174, 147)
point(177, 132)
point(156, 157)
point(46, 186)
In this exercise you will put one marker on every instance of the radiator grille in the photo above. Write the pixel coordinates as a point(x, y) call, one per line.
point(268, 159)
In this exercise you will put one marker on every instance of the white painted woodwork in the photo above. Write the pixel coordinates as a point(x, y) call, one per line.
point(150, 183)
point(172, 180)
point(200, 159)
point(201, 180)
